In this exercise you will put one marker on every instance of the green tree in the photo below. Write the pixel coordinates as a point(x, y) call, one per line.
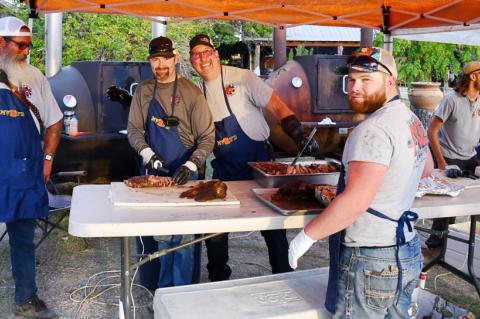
point(300, 50)
point(429, 61)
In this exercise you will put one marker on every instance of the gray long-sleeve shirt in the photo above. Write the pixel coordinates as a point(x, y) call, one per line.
point(196, 127)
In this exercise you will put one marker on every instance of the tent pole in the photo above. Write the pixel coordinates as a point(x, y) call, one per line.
point(53, 43)
point(388, 42)
point(366, 37)
point(30, 26)
point(159, 28)
point(279, 47)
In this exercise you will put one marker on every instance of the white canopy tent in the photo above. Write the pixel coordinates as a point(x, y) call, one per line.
point(467, 35)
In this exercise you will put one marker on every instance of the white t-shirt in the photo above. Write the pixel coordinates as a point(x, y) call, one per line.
point(460, 132)
point(247, 95)
point(39, 93)
point(392, 136)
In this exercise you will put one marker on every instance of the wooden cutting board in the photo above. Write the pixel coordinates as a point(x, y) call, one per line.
point(122, 195)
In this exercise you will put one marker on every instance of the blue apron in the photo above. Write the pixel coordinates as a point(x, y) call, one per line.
point(334, 243)
point(22, 190)
point(234, 149)
point(176, 268)
point(164, 140)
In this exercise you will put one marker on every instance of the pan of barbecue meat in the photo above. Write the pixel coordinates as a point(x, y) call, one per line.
point(276, 174)
point(297, 197)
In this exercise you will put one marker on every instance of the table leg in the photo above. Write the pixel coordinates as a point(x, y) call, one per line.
point(471, 253)
point(471, 277)
point(125, 277)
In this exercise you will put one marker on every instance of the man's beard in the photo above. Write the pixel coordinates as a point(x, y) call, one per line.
point(162, 73)
point(370, 103)
point(16, 68)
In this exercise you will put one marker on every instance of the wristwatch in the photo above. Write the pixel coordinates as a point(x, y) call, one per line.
point(48, 157)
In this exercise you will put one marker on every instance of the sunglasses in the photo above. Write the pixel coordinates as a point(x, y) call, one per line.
point(195, 56)
point(365, 63)
point(20, 45)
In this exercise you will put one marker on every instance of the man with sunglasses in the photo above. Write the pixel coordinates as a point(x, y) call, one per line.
point(171, 127)
point(375, 256)
point(30, 122)
point(237, 98)
point(455, 132)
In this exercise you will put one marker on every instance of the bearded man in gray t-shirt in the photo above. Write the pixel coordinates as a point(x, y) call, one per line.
point(375, 255)
point(455, 132)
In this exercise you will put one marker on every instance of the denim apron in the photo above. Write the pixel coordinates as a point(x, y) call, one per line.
point(334, 243)
point(164, 140)
point(234, 149)
point(22, 190)
point(176, 268)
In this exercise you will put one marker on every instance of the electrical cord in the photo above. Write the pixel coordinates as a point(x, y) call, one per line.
point(93, 294)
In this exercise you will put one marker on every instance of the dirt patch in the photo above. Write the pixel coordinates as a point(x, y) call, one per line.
point(66, 263)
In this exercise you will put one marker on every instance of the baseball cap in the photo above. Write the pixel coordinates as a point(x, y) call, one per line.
point(471, 67)
point(201, 39)
point(371, 59)
point(161, 46)
point(11, 27)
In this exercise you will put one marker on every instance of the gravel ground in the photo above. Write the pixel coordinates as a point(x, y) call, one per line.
point(65, 264)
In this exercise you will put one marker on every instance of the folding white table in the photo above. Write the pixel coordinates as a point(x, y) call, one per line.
point(92, 214)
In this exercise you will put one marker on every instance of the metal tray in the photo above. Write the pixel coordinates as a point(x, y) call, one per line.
point(270, 181)
point(286, 208)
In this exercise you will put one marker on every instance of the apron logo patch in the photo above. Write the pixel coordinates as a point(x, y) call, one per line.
point(11, 113)
point(227, 140)
point(230, 90)
point(26, 90)
point(158, 122)
point(177, 99)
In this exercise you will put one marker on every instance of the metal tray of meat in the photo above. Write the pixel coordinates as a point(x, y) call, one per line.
point(270, 181)
point(286, 208)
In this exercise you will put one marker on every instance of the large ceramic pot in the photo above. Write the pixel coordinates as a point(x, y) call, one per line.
point(425, 95)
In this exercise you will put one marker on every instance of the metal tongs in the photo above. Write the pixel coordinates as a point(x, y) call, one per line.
point(310, 137)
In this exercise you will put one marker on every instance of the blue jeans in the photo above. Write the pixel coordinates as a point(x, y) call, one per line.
point(217, 253)
point(174, 269)
point(367, 284)
point(22, 253)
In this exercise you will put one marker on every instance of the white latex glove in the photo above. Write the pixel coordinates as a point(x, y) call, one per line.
point(150, 159)
point(146, 154)
point(298, 247)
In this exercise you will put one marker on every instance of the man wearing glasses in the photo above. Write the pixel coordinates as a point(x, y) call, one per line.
point(455, 132)
point(237, 98)
point(375, 256)
point(30, 122)
point(171, 127)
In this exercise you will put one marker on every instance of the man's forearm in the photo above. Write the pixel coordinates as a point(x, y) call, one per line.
point(52, 138)
point(278, 108)
point(436, 150)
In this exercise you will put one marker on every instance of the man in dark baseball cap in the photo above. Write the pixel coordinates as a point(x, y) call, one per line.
point(236, 98)
point(171, 127)
point(201, 39)
point(161, 46)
